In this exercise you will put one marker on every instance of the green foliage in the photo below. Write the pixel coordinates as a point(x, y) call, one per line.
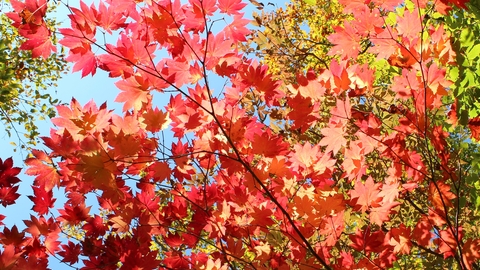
point(24, 85)
point(466, 75)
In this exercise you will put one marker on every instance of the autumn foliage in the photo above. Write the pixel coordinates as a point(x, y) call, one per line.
point(355, 165)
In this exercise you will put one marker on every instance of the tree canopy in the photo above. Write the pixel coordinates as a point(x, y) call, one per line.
point(25, 81)
point(349, 140)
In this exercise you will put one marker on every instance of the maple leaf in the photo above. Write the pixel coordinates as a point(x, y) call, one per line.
point(84, 19)
point(400, 239)
point(354, 161)
point(268, 144)
point(41, 166)
point(436, 80)
point(304, 156)
point(95, 226)
point(119, 224)
point(8, 257)
point(471, 252)
point(366, 241)
point(135, 92)
point(173, 240)
point(70, 252)
point(389, 192)
point(43, 200)
point(474, 126)
point(305, 118)
point(109, 18)
point(99, 169)
point(61, 145)
point(82, 121)
point(346, 41)
point(447, 244)
point(230, 7)
point(77, 41)
point(308, 87)
point(86, 62)
point(380, 214)
point(40, 44)
point(12, 236)
point(366, 195)
point(332, 227)
point(342, 112)
point(333, 138)
point(8, 195)
point(440, 195)
point(156, 120)
point(237, 30)
point(423, 231)
point(409, 25)
point(74, 214)
point(8, 173)
point(40, 226)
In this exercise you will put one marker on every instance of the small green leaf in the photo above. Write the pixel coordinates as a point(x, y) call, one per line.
point(310, 2)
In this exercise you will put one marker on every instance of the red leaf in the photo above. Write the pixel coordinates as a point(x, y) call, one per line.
point(135, 92)
point(40, 44)
point(230, 7)
point(366, 195)
point(8, 195)
point(86, 62)
point(333, 138)
point(8, 257)
point(155, 119)
point(12, 237)
point(70, 253)
point(471, 252)
point(365, 241)
point(400, 239)
point(474, 125)
point(42, 200)
point(46, 175)
point(346, 41)
point(74, 214)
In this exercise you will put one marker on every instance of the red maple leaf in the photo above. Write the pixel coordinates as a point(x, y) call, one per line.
point(440, 195)
point(42, 200)
point(474, 125)
point(230, 7)
point(333, 138)
point(346, 41)
point(12, 236)
point(366, 241)
point(41, 165)
point(8, 257)
point(70, 252)
point(74, 214)
point(135, 92)
point(86, 62)
point(366, 195)
point(447, 244)
point(40, 44)
point(8, 195)
point(380, 214)
point(471, 252)
point(8, 179)
point(400, 239)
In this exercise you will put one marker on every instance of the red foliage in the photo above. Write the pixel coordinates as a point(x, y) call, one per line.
point(229, 189)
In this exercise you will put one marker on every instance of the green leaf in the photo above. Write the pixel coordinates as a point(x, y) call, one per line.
point(473, 51)
point(310, 2)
